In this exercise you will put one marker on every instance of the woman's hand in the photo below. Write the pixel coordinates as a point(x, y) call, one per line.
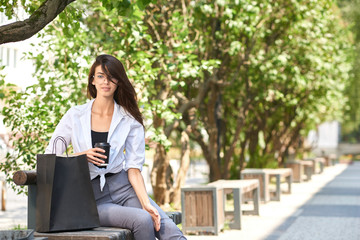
point(155, 215)
point(94, 155)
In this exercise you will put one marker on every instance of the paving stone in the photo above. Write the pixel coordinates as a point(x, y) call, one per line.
point(323, 228)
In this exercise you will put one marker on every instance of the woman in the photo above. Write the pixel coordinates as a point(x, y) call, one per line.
point(113, 116)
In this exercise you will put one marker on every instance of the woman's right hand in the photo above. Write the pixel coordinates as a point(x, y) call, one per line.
point(94, 155)
point(154, 215)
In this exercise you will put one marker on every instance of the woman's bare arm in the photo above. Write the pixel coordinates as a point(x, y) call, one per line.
point(137, 182)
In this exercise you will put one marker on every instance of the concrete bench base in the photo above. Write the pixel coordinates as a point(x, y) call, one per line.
point(101, 233)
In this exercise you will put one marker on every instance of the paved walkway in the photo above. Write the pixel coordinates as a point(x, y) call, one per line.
point(15, 215)
point(325, 208)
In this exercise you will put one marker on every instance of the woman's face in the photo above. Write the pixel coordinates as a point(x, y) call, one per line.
point(104, 86)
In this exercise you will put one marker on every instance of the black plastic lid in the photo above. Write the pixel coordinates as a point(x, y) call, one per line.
point(102, 144)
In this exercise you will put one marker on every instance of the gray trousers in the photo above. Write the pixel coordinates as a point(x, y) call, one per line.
point(118, 206)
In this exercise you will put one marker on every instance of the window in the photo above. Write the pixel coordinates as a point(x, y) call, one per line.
point(15, 57)
point(8, 57)
point(2, 17)
point(1, 56)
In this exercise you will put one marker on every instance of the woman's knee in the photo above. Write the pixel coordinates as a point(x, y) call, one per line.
point(144, 221)
point(143, 227)
point(169, 230)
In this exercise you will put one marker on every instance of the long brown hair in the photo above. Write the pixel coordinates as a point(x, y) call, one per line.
point(124, 94)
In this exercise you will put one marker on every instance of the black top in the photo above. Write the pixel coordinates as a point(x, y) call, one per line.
point(98, 137)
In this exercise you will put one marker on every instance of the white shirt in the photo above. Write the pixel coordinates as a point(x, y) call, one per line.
point(124, 133)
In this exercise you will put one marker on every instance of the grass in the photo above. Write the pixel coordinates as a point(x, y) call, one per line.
point(19, 227)
point(356, 157)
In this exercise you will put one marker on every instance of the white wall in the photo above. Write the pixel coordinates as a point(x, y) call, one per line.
point(326, 139)
point(329, 135)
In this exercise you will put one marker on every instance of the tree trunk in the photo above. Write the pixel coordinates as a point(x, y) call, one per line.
point(253, 138)
point(184, 166)
point(159, 173)
point(213, 160)
point(230, 151)
point(215, 173)
point(242, 163)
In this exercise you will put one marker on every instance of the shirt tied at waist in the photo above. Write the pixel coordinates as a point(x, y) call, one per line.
point(103, 179)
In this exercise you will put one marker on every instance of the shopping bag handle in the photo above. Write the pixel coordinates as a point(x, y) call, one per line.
point(61, 139)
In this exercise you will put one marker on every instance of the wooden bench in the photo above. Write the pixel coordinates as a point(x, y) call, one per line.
point(299, 168)
point(264, 175)
point(238, 188)
point(202, 209)
point(29, 178)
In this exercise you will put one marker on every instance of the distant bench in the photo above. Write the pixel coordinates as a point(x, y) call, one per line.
point(318, 164)
point(301, 167)
point(29, 178)
point(264, 175)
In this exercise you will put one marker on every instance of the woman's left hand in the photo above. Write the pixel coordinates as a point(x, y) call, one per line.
point(155, 215)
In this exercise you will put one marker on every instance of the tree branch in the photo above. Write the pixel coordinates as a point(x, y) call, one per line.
point(188, 104)
point(21, 30)
point(240, 122)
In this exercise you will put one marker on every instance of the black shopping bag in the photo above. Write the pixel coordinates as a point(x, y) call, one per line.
point(65, 199)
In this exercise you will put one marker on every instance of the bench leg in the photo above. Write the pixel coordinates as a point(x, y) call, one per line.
point(314, 168)
point(308, 171)
point(321, 167)
point(31, 219)
point(256, 202)
point(289, 181)
point(278, 189)
point(237, 209)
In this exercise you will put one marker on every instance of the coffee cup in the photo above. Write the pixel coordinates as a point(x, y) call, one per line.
point(106, 146)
